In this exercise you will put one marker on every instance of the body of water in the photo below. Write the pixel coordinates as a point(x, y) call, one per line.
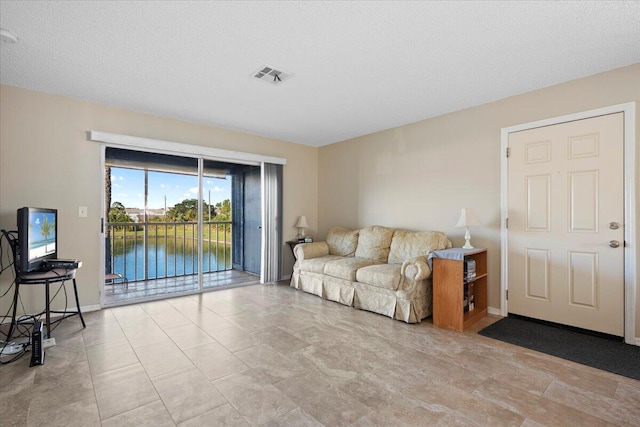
point(166, 259)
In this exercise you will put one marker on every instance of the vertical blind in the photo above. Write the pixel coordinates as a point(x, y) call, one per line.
point(271, 222)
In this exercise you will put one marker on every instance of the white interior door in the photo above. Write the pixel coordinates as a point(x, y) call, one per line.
point(566, 212)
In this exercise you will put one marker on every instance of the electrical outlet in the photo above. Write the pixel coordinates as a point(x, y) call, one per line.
point(82, 211)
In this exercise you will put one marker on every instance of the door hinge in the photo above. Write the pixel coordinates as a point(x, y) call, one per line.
point(101, 225)
point(507, 294)
point(506, 223)
point(508, 151)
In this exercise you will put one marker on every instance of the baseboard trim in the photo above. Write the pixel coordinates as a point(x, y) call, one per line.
point(494, 311)
point(89, 308)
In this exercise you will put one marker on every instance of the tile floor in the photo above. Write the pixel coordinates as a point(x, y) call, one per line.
point(274, 356)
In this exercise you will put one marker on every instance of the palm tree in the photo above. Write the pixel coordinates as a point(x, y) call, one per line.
point(46, 228)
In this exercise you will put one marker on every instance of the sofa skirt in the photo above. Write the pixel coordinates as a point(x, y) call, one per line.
point(410, 307)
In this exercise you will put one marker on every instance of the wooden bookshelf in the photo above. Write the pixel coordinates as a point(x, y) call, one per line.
point(448, 291)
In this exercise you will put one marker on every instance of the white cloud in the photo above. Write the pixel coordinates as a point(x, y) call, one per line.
point(116, 186)
point(117, 178)
point(217, 189)
point(193, 190)
point(162, 186)
point(208, 181)
point(141, 196)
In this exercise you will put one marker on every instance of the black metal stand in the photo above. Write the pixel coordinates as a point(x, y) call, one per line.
point(46, 278)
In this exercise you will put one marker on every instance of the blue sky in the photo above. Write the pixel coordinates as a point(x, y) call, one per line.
point(127, 187)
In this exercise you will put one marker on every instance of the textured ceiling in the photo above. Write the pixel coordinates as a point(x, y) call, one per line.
point(359, 67)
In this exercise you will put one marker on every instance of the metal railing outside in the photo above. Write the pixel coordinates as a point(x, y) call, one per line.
point(156, 250)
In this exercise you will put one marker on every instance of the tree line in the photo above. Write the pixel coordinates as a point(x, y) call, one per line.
point(185, 211)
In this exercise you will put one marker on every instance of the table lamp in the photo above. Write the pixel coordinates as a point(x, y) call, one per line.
point(467, 218)
point(302, 224)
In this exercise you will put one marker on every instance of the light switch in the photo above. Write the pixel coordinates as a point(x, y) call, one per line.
point(82, 211)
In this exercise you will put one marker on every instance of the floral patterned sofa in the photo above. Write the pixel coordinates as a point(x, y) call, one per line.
point(378, 269)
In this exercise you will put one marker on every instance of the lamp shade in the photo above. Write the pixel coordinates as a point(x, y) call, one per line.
point(467, 218)
point(302, 222)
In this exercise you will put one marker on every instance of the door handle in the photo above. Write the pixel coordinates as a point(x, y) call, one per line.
point(614, 243)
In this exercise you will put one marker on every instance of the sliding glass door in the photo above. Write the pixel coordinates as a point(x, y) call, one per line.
point(177, 224)
point(168, 227)
point(217, 229)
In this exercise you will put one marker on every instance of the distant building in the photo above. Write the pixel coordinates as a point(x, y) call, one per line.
point(137, 214)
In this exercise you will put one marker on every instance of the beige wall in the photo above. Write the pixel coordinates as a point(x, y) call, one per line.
point(415, 177)
point(46, 161)
point(418, 176)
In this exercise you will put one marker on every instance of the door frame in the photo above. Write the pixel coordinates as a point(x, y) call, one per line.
point(630, 218)
point(108, 139)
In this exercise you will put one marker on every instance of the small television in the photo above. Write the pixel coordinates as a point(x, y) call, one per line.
point(37, 238)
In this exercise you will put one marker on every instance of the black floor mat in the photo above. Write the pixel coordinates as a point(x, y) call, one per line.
point(598, 352)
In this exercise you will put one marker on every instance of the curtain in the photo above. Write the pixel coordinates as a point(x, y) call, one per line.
point(271, 222)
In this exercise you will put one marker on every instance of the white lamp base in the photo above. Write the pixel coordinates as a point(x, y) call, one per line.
point(300, 235)
point(467, 240)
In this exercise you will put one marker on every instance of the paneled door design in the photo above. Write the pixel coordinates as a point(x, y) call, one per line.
point(565, 231)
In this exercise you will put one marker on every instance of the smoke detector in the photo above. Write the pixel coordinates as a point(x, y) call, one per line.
point(271, 75)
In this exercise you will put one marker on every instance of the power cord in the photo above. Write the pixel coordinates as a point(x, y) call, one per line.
point(22, 326)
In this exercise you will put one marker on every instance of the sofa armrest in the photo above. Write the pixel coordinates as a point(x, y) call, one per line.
point(416, 268)
point(311, 250)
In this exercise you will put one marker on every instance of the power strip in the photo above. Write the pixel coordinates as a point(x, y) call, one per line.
point(13, 348)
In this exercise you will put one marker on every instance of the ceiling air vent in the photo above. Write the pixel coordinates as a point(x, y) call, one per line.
point(271, 75)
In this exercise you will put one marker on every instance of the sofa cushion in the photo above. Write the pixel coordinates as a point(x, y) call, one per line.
point(385, 276)
point(407, 244)
point(315, 265)
point(374, 243)
point(342, 242)
point(310, 250)
point(345, 268)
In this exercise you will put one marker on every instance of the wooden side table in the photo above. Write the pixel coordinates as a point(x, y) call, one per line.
point(449, 291)
point(292, 245)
